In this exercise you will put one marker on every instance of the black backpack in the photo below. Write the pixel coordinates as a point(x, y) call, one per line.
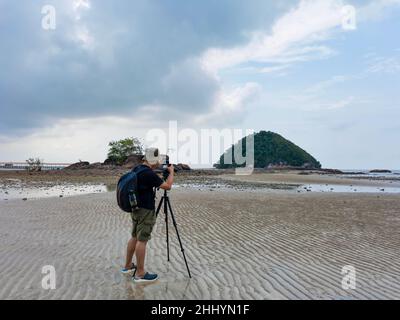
point(127, 189)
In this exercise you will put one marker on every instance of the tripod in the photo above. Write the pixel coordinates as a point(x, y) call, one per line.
point(167, 206)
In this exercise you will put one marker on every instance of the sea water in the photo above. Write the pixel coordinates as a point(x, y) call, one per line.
point(16, 190)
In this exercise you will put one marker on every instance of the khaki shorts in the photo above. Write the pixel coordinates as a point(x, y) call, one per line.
point(143, 221)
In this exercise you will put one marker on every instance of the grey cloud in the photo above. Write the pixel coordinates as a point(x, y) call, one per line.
point(142, 54)
point(186, 86)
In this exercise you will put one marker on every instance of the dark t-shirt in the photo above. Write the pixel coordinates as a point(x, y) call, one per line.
point(147, 181)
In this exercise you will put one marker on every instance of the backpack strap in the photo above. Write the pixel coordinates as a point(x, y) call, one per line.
point(140, 169)
point(137, 170)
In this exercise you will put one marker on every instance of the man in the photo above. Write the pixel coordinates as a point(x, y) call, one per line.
point(144, 217)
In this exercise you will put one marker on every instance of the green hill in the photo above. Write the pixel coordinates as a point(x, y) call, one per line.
point(272, 149)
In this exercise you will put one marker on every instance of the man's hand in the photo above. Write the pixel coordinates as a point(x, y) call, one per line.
point(167, 185)
point(171, 169)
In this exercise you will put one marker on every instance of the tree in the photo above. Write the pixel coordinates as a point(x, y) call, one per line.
point(120, 150)
point(34, 164)
point(270, 149)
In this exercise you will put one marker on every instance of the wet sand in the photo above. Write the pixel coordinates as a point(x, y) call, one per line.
point(25, 185)
point(239, 245)
point(296, 178)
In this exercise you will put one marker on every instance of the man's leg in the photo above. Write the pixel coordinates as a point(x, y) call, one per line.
point(130, 252)
point(140, 255)
point(144, 229)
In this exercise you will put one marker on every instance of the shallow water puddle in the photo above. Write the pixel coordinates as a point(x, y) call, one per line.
point(346, 189)
point(19, 191)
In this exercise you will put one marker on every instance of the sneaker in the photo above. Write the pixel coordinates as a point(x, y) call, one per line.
point(148, 277)
point(129, 271)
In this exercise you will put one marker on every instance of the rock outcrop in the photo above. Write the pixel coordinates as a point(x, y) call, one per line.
point(133, 161)
point(182, 166)
point(78, 165)
point(380, 171)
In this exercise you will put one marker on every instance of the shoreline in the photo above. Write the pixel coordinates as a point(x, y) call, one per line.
point(24, 185)
point(112, 175)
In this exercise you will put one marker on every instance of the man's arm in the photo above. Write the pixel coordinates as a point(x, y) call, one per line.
point(167, 185)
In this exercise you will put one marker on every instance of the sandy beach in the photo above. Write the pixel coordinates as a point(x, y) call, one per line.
point(299, 178)
point(239, 245)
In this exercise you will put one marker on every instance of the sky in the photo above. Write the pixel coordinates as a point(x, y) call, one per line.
point(77, 74)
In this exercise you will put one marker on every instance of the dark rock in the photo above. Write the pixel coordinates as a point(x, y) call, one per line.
point(24, 199)
point(183, 166)
point(109, 162)
point(355, 172)
point(132, 161)
point(331, 171)
point(96, 165)
point(380, 171)
point(308, 165)
point(78, 165)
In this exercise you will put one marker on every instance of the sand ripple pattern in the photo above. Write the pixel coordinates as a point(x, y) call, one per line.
point(239, 245)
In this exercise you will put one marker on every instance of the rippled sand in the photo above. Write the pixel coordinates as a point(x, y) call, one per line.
point(239, 245)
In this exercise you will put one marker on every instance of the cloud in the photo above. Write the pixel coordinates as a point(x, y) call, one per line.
point(340, 104)
point(79, 4)
point(112, 68)
point(322, 86)
point(229, 105)
point(318, 103)
point(110, 58)
point(325, 96)
point(69, 140)
point(187, 86)
point(114, 58)
point(294, 37)
point(274, 69)
point(387, 65)
point(376, 9)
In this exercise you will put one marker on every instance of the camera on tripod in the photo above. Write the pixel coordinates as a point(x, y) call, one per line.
point(165, 204)
point(165, 164)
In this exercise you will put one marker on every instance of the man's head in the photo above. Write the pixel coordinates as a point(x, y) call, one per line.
point(152, 157)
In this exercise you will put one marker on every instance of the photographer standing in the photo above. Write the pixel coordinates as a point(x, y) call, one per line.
point(144, 218)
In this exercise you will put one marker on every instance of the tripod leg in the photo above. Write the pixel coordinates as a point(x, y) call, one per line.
point(166, 223)
point(177, 233)
point(159, 206)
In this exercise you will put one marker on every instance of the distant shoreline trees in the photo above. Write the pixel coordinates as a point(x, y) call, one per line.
point(120, 150)
point(34, 164)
